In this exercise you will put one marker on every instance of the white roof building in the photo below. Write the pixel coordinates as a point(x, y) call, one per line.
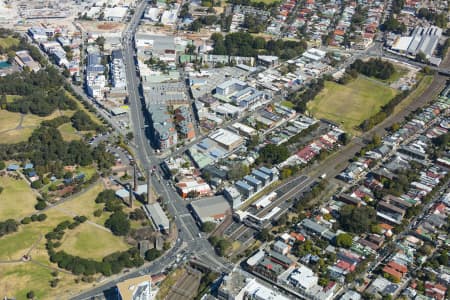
point(115, 13)
point(255, 290)
point(303, 278)
point(227, 139)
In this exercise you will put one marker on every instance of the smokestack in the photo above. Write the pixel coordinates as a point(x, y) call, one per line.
point(135, 178)
point(130, 200)
point(149, 187)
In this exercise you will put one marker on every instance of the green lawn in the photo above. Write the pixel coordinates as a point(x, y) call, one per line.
point(17, 199)
point(352, 103)
point(10, 120)
point(288, 104)
point(89, 241)
point(68, 132)
point(84, 205)
point(14, 246)
point(9, 41)
point(12, 98)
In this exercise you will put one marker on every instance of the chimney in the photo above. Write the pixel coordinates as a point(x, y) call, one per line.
point(130, 200)
point(149, 187)
point(135, 178)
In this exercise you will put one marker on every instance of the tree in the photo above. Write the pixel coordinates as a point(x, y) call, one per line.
point(421, 57)
point(30, 295)
point(100, 41)
point(208, 226)
point(113, 205)
point(105, 196)
point(345, 138)
point(443, 258)
point(264, 235)
point(237, 171)
point(118, 223)
point(37, 184)
point(357, 219)
point(152, 254)
point(40, 205)
point(130, 135)
point(344, 240)
point(11, 56)
point(273, 154)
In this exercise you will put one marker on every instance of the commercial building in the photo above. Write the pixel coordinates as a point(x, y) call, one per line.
point(158, 216)
point(422, 40)
point(193, 187)
point(117, 70)
point(23, 59)
point(231, 86)
point(227, 139)
point(233, 196)
point(239, 285)
point(95, 79)
point(303, 278)
point(211, 209)
point(164, 132)
point(245, 189)
point(115, 14)
point(138, 288)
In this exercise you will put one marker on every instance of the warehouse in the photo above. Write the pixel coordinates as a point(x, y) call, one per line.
point(211, 209)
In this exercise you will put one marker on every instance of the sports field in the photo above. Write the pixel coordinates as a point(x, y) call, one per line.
point(350, 104)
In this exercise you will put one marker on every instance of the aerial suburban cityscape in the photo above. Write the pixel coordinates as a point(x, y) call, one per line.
point(224, 149)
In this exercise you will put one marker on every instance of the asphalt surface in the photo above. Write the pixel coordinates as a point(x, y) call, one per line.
point(190, 240)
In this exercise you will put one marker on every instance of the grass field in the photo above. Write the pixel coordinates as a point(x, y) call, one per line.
point(10, 120)
point(90, 241)
point(84, 205)
point(16, 279)
point(14, 246)
point(352, 103)
point(288, 104)
point(9, 41)
point(20, 278)
point(399, 73)
point(68, 132)
point(17, 199)
point(12, 98)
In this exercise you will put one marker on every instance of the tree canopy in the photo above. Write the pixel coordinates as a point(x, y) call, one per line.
point(374, 67)
point(273, 154)
point(357, 219)
point(244, 44)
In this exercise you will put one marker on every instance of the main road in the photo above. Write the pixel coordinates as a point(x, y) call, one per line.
point(190, 240)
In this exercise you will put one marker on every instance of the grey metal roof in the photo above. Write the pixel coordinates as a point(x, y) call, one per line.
point(210, 206)
point(157, 215)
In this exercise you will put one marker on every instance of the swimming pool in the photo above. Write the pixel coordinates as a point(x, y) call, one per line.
point(4, 64)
